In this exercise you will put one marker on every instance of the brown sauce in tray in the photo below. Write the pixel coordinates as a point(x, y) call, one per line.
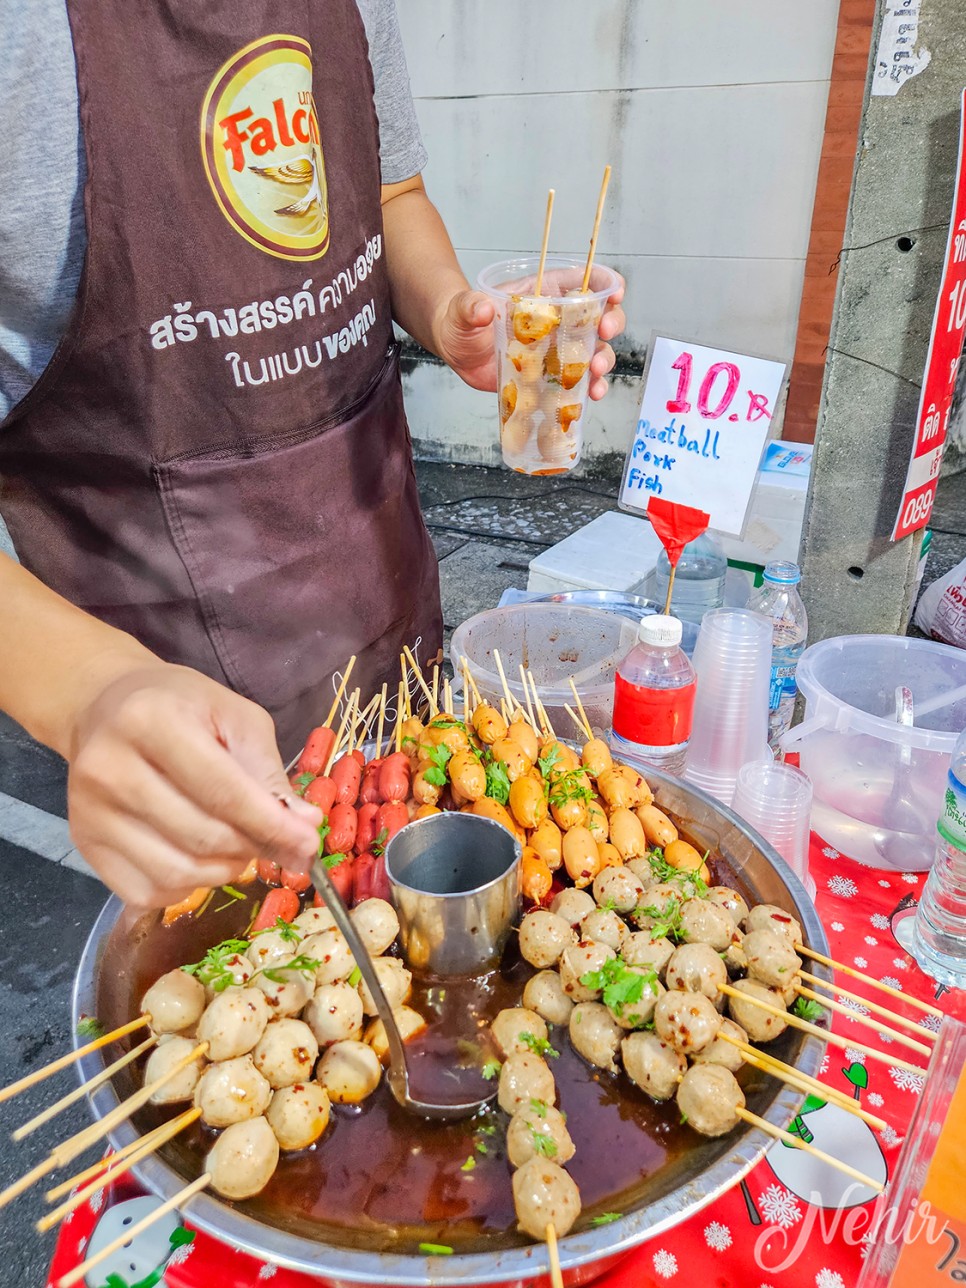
point(386, 1181)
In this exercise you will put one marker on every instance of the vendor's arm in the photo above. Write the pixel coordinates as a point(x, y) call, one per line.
point(174, 781)
point(432, 300)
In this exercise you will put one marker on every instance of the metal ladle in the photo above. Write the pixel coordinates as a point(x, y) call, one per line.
point(435, 852)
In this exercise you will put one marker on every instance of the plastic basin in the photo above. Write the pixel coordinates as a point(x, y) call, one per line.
point(878, 784)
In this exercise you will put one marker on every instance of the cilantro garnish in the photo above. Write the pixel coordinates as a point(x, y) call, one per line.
point(539, 1046)
point(303, 964)
point(666, 922)
point(214, 969)
point(491, 1069)
point(354, 978)
point(621, 986)
point(448, 722)
point(435, 1249)
point(469, 1164)
point(570, 787)
point(487, 1130)
point(235, 894)
point(302, 782)
point(379, 844)
point(89, 1027)
point(324, 831)
point(806, 1009)
point(606, 1218)
point(539, 1107)
point(497, 782)
point(547, 763)
point(438, 757)
point(544, 1144)
point(331, 861)
point(480, 1147)
point(288, 933)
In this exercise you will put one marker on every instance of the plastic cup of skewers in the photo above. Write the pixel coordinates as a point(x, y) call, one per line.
point(544, 344)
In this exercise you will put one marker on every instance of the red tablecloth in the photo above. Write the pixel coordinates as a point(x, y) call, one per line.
point(792, 1223)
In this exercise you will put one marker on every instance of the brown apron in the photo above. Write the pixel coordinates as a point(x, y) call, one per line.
point(217, 458)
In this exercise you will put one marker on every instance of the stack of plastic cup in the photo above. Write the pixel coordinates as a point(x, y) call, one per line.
point(777, 801)
point(733, 660)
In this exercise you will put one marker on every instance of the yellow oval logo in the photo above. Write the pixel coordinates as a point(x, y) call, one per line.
point(262, 148)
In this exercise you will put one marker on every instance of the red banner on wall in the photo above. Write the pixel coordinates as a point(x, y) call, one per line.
point(942, 364)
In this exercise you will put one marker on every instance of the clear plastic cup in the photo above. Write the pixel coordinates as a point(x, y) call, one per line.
point(733, 660)
point(776, 799)
point(544, 345)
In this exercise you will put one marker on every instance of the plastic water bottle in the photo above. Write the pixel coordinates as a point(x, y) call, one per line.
point(939, 932)
point(778, 598)
point(700, 579)
point(654, 698)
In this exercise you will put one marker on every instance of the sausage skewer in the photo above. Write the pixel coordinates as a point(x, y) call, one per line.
point(146, 1145)
point(913, 1026)
point(826, 1034)
point(796, 1141)
point(179, 1200)
point(867, 979)
point(79, 1092)
point(64, 1061)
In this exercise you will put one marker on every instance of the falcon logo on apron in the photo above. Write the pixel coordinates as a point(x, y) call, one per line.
point(262, 148)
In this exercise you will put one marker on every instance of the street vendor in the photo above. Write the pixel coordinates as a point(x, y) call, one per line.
point(205, 463)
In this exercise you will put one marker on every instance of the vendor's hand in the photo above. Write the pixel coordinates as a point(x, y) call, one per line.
point(175, 782)
point(466, 342)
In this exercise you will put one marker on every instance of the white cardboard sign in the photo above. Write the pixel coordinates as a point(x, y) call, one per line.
point(704, 420)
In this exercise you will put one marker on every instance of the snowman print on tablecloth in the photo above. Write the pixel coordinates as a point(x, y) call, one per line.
point(141, 1263)
point(836, 1132)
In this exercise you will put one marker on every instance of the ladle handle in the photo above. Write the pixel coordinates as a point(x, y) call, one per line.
point(398, 1077)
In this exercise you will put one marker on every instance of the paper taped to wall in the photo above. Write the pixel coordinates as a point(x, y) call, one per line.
point(897, 58)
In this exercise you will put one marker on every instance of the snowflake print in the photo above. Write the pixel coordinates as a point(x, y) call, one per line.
point(880, 921)
point(837, 927)
point(717, 1236)
point(900, 963)
point(932, 1022)
point(874, 1099)
point(96, 1201)
point(851, 1005)
point(823, 1067)
point(906, 1080)
point(860, 962)
point(779, 1206)
point(844, 887)
point(871, 940)
point(884, 1037)
point(665, 1263)
point(854, 1056)
point(829, 1279)
point(910, 878)
point(268, 1271)
point(886, 885)
point(890, 1137)
point(890, 981)
point(831, 853)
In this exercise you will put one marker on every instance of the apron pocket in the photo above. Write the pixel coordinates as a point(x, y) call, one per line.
point(304, 552)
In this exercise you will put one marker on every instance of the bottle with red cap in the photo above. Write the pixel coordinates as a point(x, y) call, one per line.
point(654, 698)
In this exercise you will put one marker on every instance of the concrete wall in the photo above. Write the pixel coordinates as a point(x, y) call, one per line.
point(712, 117)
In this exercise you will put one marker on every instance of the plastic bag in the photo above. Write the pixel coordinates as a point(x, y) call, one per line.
point(941, 611)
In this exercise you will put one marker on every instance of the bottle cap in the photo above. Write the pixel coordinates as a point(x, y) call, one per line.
point(663, 631)
point(788, 574)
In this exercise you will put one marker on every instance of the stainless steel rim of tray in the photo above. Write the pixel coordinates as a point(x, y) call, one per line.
point(582, 1254)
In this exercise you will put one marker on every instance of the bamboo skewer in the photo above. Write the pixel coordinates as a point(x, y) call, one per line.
point(117, 1168)
point(448, 696)
point(912, 1025)
point(778, 1069)
point(69, 1149)
point(96, 1169)
point(179, 1200)
point(382, 720)
point(796, 1022)
point(466, 695)
point(421, 681)
point(526, 695)
point(367, 717)
point(538, 288)
point(339, 692)
point(556, 1276)
point(670, 589)
point(477, 697)
point(542, 710)
point(340, 734)
point(575, 718)
point(80, 1092)
point(867, 979)
point(400, 717)
point(55, 1066)
point(510, 699)
point(573, 689)
point(869, 1021)
point(593, 236)
point(435, 684)
point(798, 1143)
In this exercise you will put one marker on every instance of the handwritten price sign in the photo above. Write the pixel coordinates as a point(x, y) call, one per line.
point(704, 419)
point(942, 365)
